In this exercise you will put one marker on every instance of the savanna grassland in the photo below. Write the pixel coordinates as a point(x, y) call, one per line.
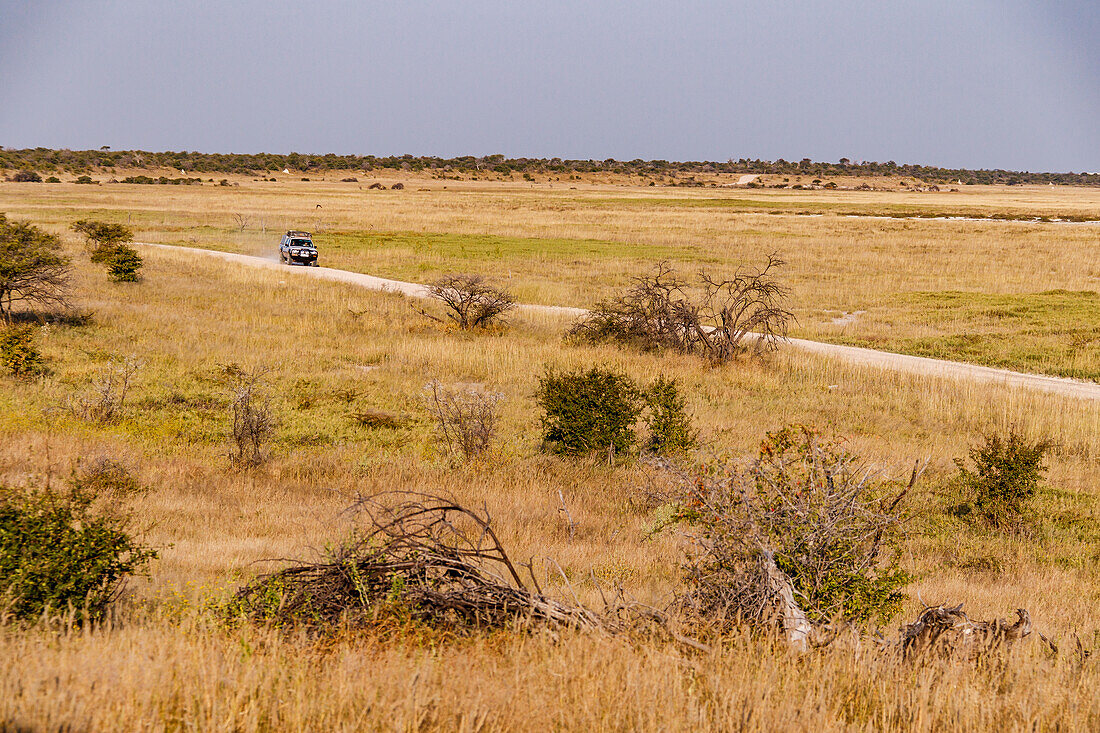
point(1007, 292)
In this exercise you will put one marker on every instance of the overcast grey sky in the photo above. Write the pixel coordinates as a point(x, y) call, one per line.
point(975, 83)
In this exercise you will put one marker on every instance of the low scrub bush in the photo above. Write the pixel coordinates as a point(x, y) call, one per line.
point(595, 411)
point(471, 301)
point(68, 549)
point(26, 177)
point(108, 244)
point(107, 398)
point(19, 353)
point(123, 263)
point(591, 411)
point(1007, 471)
point(802, 535)
point(668, 422)
point(717, 319)
point(102, 237)
point(466, 420)
point(253, 418)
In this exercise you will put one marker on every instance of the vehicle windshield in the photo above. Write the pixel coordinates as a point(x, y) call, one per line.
point(301, 243)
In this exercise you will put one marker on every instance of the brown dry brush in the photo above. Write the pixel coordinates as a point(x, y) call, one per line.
point(424, 555)
point(470, 301)
point(429, 559)
point(946, 631)
point(465, 419)
point(107, 398)
point(253, 417)
point(721, 319)
point(801, 536)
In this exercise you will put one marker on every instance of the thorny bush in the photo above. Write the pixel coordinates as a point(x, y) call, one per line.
point(471, 301)
point(830, 523)
point(107, 398)
point(253, 418)
point(718, 319)
point(465, 418)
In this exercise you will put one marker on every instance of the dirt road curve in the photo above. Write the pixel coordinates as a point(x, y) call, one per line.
point(851, 354)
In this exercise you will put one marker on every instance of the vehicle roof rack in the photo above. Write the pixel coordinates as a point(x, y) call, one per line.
point(296, 233)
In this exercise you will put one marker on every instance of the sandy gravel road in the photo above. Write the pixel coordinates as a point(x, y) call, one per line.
point(853, 355)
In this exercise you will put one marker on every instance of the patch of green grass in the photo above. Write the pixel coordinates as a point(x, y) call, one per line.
point(796, 207)
point(1052, 332)
point(462, 249)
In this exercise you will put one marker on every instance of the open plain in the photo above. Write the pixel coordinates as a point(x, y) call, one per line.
point(1004, 277)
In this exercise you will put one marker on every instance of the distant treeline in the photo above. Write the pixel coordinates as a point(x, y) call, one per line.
point(81, 161)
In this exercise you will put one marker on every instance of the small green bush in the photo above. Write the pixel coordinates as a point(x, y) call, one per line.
point(67, 548)
point(108, 243)
point(669, 424)
point(27, 177)
point(591, 411)
point(1007, 471)
point(19, 353)
point(123, 264)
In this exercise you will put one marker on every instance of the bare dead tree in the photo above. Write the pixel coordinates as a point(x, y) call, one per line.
point(718, 319)
point(745, 308)
point(470, 300)
point(253, 419)
point(242, 221)
point(466, 419)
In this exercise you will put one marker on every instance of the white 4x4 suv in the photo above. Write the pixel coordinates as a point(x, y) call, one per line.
point(297, 249)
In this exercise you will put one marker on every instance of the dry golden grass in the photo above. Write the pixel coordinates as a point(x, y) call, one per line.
point(552, 244)
point(332, 348)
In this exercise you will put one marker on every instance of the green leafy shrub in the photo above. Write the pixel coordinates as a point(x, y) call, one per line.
point(27, 177)
point(110, 248)
point(123, 264)
point(669, 424)
point(591, 411)
point(1007, 471)
point(102, 237)
point(67, 548)
point(84, 180)
point(19, 353)
point(32, 267)
point(807, 508)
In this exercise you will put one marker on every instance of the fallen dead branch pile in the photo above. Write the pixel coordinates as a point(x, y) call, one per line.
point(943, 631)
point(425, 556)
